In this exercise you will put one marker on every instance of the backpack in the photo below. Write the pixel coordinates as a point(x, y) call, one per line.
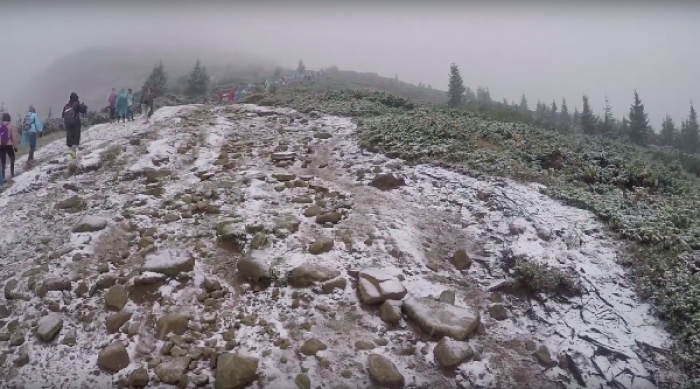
point(4, 134)
point(28, 122)
point(70, 116)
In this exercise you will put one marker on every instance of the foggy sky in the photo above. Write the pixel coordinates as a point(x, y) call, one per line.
point(542, 50)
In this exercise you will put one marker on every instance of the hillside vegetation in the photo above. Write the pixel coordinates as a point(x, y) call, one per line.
point(646, 195)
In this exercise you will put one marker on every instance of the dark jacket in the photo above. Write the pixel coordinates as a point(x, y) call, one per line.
point(77, 107)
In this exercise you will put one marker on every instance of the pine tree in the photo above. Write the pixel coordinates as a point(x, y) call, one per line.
point(523, 104)
point(690, 133)
point(540, 111)
point(198, 82)
point(455, 88)
point(577, 117)
point(608, 123)
point(157, 81)
point(49, 115)
point(564, 115)
point(669, 132)
point(301, 68)
point(553, 112)
point(625, 127)
point(483, 95)
point(588, 121)
point(638, 121)
point(469, 95)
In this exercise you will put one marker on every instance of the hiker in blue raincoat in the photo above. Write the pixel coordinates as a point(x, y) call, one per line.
point(31, 129)
point(121, 105)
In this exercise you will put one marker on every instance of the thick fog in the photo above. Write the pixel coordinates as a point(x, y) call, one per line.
point(542, 50)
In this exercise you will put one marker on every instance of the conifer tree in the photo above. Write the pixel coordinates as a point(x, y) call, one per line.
point(157, 81)
point(564, 115)
point(576, 117)
point(523, 104)
point(198, 82)
point(455, 87)
point(638, 121)
point(588, 120)
point(691, 133)
point(301, 68)
point(483, 95)
point(469, 95)
point(669, 132)
point(608, 122)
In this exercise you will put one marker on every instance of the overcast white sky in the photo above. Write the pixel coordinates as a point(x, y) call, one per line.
point(543, 50)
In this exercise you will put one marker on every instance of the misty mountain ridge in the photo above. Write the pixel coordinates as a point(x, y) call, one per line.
point(94, 71)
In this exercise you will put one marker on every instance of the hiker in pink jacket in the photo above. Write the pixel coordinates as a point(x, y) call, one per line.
point(112, 101)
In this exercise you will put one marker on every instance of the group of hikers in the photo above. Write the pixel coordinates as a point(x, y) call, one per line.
point(121, 108)
point(121, 105)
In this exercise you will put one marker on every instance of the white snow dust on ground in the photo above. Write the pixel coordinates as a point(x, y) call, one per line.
point(173, 182)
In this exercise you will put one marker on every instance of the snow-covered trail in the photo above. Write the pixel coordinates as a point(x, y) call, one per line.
point(131, 243)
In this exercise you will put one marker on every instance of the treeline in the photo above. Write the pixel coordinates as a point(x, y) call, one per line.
point(633, 127)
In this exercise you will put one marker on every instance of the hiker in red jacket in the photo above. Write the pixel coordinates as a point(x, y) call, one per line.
point(220, 94)
point(232, 95)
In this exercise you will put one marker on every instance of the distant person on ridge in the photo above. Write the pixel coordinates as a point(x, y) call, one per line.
point(130, 105)
point(120, 105)
point(111, 101)
point(32, 128)
point(71, 121)
point(8, 145)
point(232, 94)
point(147, 105)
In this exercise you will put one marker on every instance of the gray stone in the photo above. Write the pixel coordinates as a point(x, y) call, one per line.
point(321, 245)
point(48, 327)
point(461, 260)
point(449, 352)
point(235, 371)
point(312, 346)
point(543, 357)
point(113, 357)
point(139, 378)
point(441, 319)
point(302, 381)
point(171, 370)
point(115, 321)
point(336, 283)
point(116, 297)
point(90, 223)
point(447, 297)
point(254, 267)
point(308, 274)
point(390, 311)
point(57, 284)
point(383, 372)
point(376, 286)
point(169, 262)
point(498, 312)
point(175, 323)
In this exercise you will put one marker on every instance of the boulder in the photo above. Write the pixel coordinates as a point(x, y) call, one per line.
point(449, 352)
point(175, 323)
point(312, 346)
point(386, 182)
point(139, 378)
point(309, 273)
point(48, 326)
point(90, 223)
point(169, 262)
point(321, 245)
point(113, 357)
point(440, 319)
point(390, 311)
point(254, 267)
point(461, 260)
point(171, 370)
point(115, 321)
point(376, 286)
point(116, 297)
point(383, 372)
point(235, 371)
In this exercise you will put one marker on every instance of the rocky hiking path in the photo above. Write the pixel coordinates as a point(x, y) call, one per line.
point(242, 246)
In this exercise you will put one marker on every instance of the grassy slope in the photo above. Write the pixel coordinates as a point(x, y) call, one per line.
point(662, 221)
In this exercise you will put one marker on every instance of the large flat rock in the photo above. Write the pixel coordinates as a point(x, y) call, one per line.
point(441, 319)
point(169, 262)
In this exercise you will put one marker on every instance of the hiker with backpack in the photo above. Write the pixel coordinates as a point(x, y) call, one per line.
point(130, 105)
point(120, 105)
point(71, 121)
point(112, 101)
point(147, 104)
point(8, 146)
point(32, 128)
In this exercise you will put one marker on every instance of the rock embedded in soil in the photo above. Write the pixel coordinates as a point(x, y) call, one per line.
point(175, 323)
point(139, 378)
point(440, 319)
point(322, 135)
point(386, 182)
point(90, 223)
point(498, 312)
point(116, 297)
point(302, 381)
point(48, 327)
point(72, 204)
point(336, 283)
point(235, 371)
point(321, 245)
point(449, 352)
point(57, 284)
point(171, 370)
point(390, 311)
point(308, 274)
point(461, 260)
point(284, 177)
point(232, 232)
point(313, 210)
point(330, 217)
point(254, 267)
point(543, 357)
point(115, 321)
point(113, 357)
point(169, 262)
point(383, 372)
point(312, 346)
point(376, 286)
